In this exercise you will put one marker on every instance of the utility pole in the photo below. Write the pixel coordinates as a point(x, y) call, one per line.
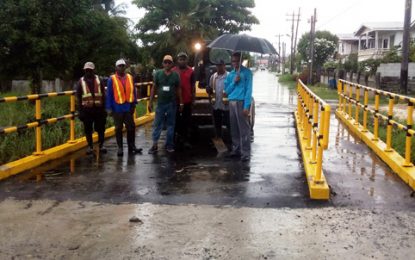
point(292, 47)
point(284, 46)
point(279, 51)
point(296, 31)
point(405, 47)
point(292, 20)
point(312, 37)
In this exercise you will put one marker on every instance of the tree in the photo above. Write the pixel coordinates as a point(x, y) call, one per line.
point(412, 52)
point(351, 64)
point(45, 38)
point(392, 56)
point(172, 26)
point(106, 41)
point(324, 45)
point(369, 66)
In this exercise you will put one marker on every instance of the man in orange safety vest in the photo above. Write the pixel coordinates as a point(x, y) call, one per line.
point(90, 93)
point(121, 102)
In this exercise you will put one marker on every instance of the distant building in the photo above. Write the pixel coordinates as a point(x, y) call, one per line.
point(375, 39)
point(263, 62)
point(348, 44)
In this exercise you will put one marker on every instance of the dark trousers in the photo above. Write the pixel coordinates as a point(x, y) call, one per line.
point(183, 122)
point(95, 121)
point(220, 118)
point(119, 120)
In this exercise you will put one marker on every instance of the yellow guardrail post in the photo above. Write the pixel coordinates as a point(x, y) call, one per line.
point(148, 101)
point(310, 108)
point(38, 116)
point(376, 119)
point(305, 117)
point(357, 109)
point(326, 126)
point(408, 138)
point(345, 100)
point(350, 103)
point(389, 126)
point(300, 106)
point(315, 133)
point(339, 92)
point(365, 103)
point(320, 144)
point(72, 121)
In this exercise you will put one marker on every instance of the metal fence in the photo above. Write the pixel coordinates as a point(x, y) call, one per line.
point(313, 123)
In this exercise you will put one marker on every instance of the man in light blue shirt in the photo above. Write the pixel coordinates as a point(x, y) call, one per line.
point(238, 88)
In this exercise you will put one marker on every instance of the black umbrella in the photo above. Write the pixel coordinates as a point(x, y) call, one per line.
point(243, 42)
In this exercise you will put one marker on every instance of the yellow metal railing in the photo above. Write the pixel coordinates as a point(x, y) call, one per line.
point(313, 123)
point(38, 116)
point(148, 85)
point(350, 99)
point(73, 144)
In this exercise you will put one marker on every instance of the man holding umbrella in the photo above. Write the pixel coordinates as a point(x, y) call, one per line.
point(238, 88)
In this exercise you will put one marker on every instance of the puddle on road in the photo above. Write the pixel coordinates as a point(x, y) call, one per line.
point(233, 172)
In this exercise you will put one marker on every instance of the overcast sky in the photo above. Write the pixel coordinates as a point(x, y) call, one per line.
point(337, 16)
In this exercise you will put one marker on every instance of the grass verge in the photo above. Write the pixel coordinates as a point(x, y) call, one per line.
point(22, 143)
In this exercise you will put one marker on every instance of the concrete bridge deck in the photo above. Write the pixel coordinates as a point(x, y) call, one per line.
point(195, 205)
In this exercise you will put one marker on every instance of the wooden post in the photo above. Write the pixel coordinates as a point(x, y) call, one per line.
point(405, 47)
point(377, 80)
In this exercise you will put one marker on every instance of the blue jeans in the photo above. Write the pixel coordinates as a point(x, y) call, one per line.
point(168, 112)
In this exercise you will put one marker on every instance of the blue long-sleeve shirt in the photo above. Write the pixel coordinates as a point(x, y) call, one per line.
point(112, 105)
point(241, 91)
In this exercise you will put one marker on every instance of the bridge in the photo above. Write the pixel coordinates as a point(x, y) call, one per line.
point(194, 204)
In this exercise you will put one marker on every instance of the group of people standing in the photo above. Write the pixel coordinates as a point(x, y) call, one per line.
point(175, 90)
point(236, 85)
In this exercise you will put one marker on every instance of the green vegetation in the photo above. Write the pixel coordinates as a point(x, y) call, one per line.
point(53, 39)
point(324, 92)
point(173, 26)
point(325, 47)
point(20, 144)
point(320, 89)
point(50, 39)
point(398, 136)
point(287, 80)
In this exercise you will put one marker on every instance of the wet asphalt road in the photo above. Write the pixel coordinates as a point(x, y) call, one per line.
point(273, 178)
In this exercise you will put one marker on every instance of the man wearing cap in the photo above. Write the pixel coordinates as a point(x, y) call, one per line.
point(90, 93)
point(187, 85)
point(238, 88)
point(167, 88)
point(121, 102)
point(220, 109)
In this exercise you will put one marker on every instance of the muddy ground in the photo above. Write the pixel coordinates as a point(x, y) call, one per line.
point(86, 230)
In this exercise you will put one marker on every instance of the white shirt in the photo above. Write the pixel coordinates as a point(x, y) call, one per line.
point(218, 87)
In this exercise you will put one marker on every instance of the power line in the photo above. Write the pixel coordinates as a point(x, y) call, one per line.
point(339, 13)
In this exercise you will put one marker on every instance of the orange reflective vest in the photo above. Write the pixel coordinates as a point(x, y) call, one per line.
point(123, 93)
point(89, 99)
